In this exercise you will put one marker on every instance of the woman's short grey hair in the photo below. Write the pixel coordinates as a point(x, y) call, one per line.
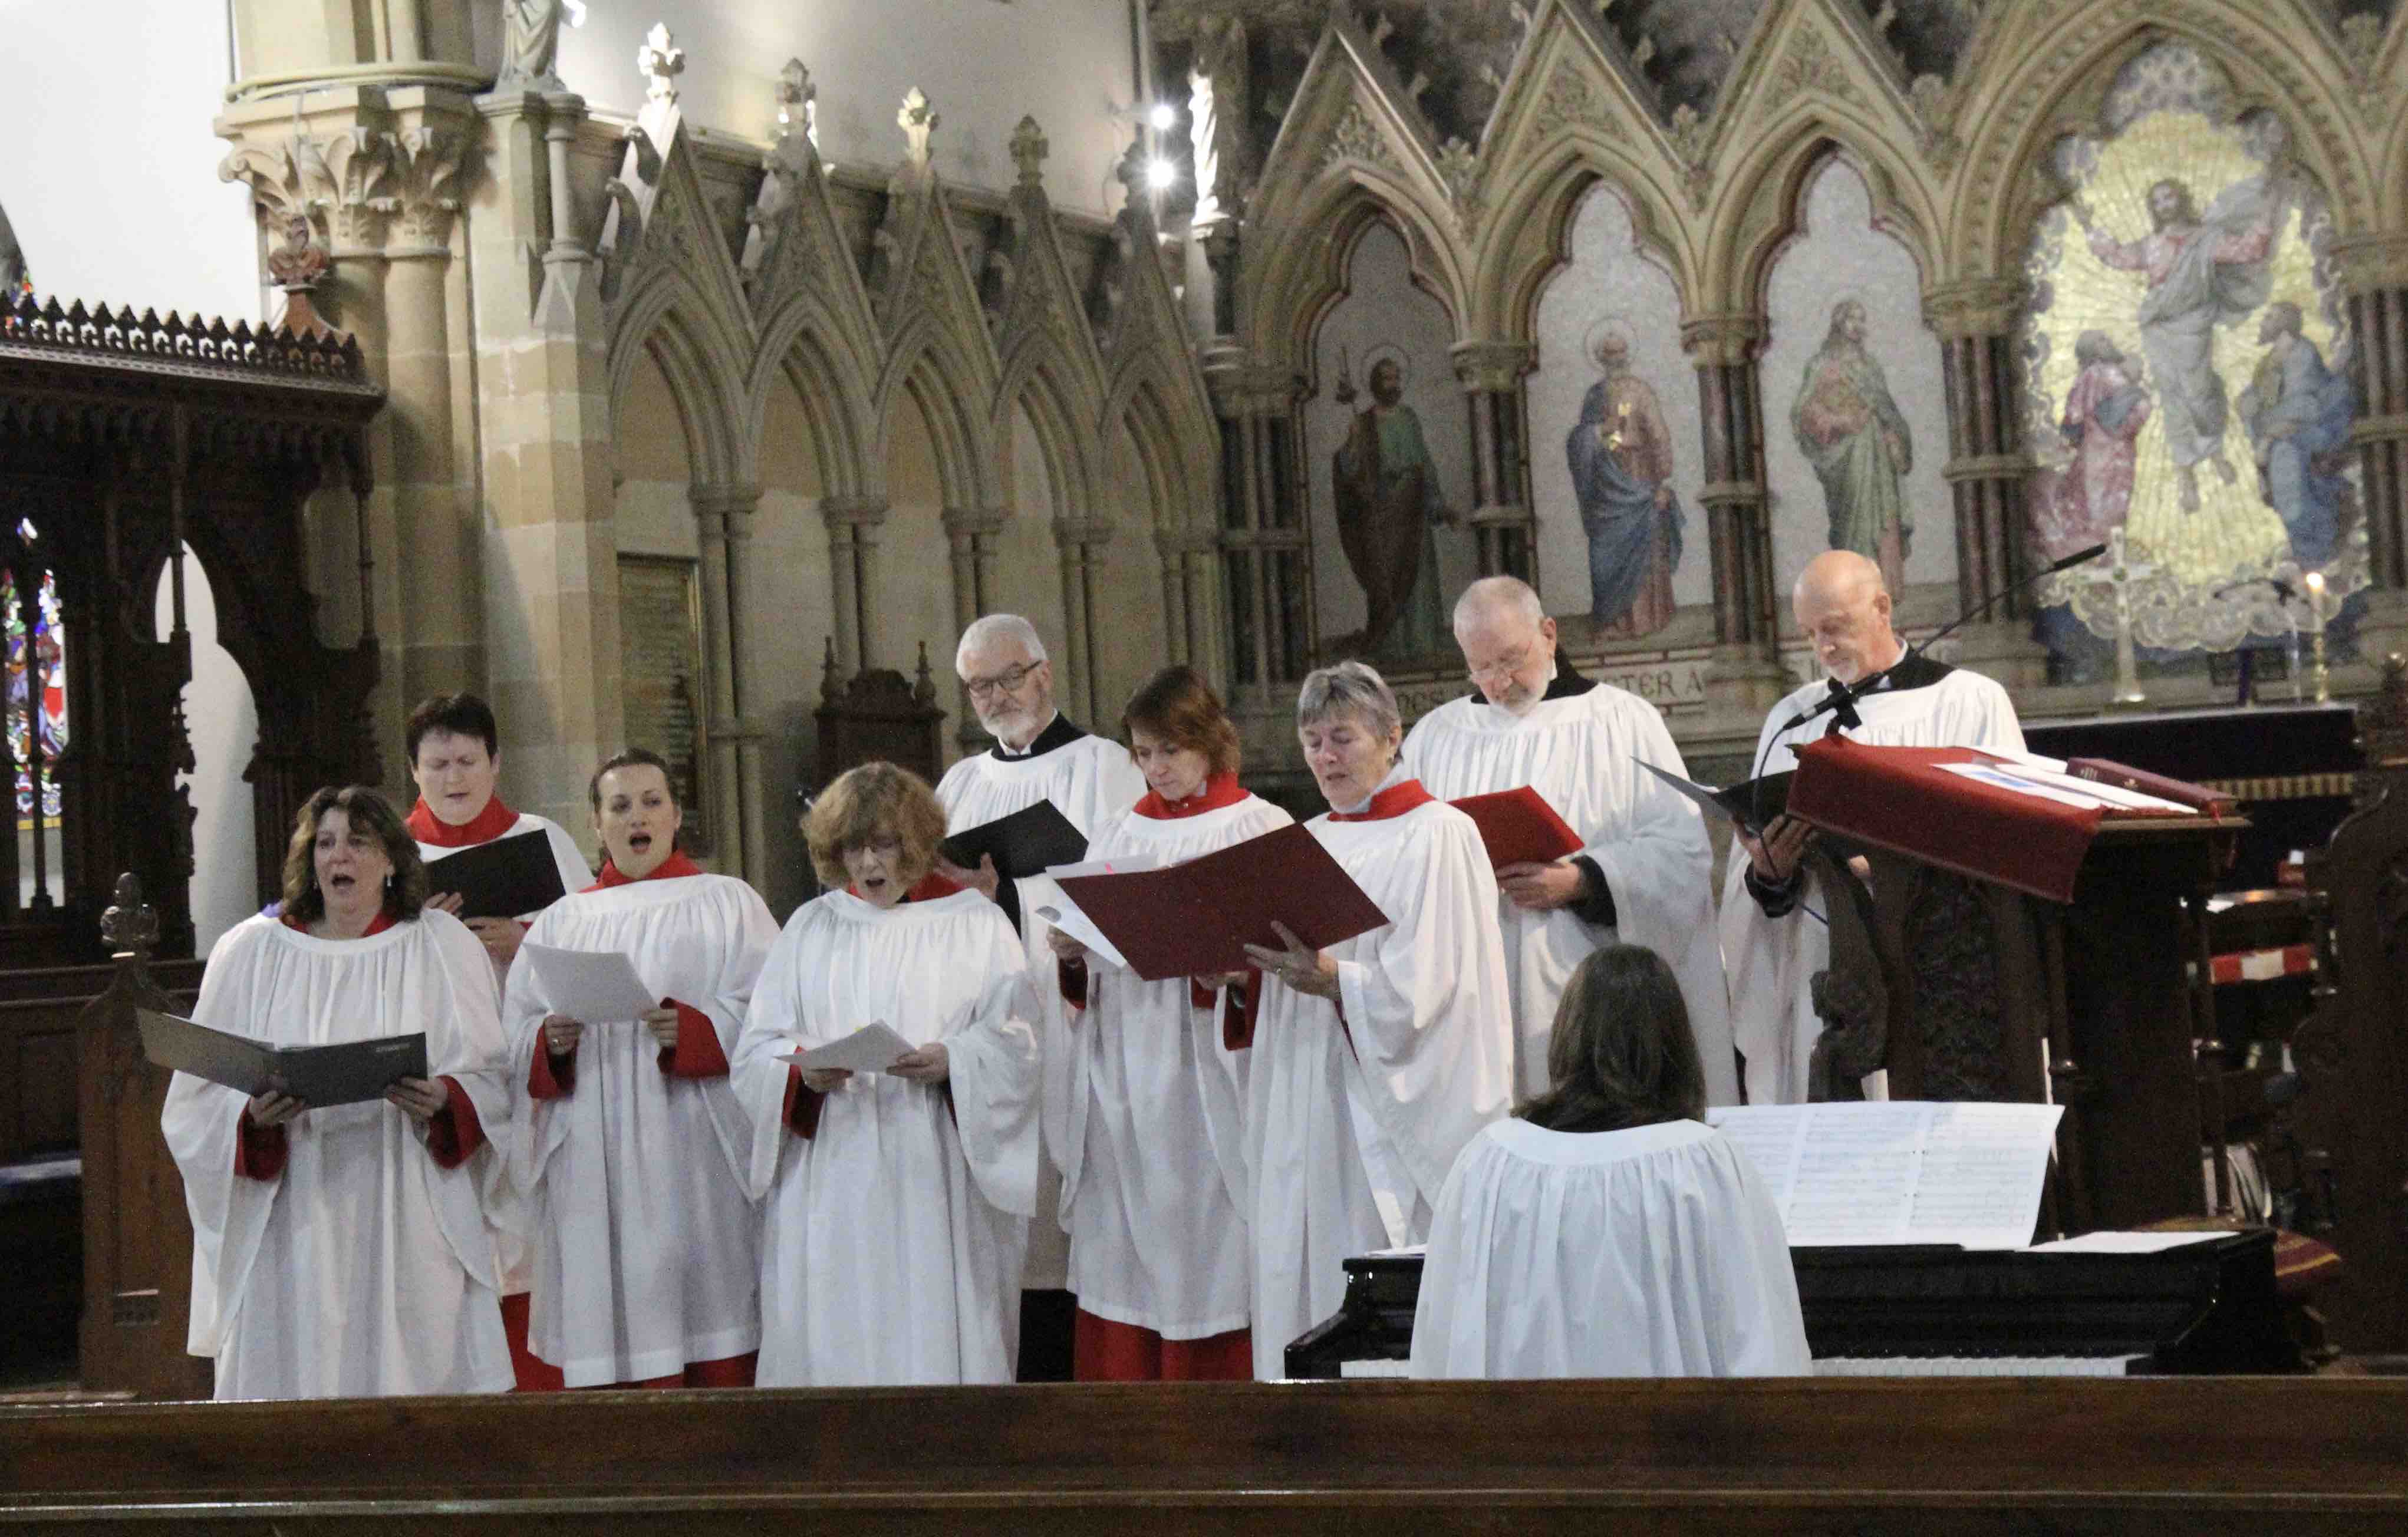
point(994, 630)
point(1348, 688)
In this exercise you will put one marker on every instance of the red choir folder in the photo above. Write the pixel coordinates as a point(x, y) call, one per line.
point(1903, 799)
point(1197, 918)
point(1520, 828)
point(2101, 771)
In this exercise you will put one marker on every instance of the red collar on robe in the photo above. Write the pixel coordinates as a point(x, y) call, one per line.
point(484, 827)
point(1395, 801)
point(668, 869)
point(932, 888)
point(376, 925)
point(1220, 791)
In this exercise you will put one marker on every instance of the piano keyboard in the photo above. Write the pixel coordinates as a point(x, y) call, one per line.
point(1978, 1366)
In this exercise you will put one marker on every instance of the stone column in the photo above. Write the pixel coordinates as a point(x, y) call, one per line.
point(971, 535)
point(1266, 547)
point(745, 677)
point(1491, 374)
point(1187, 585)
point(724, 794)
point(1746, 677)
point(1078, 539)
point(2373, 272)
point(1987, 470)
point(853, 523)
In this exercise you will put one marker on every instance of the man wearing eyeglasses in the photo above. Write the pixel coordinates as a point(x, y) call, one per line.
point(1646, 874)
point(1039, 755)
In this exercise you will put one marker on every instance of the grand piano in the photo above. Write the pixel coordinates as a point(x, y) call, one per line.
point(2208, 1307)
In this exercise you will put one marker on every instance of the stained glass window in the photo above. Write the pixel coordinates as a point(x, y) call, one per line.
point(40, 650)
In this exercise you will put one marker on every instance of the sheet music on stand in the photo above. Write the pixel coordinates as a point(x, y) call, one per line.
point(1966, 1174)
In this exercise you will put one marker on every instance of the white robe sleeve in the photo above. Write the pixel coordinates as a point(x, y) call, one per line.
point(466, 1045)
point(772, 1028)
point(1426, 1014)
point(991, 1059)
point(748, 932)
point(1661, 873)
point(202, 1121)
point(535, 1132)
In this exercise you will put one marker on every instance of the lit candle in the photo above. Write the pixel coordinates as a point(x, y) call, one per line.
point(2314, 582)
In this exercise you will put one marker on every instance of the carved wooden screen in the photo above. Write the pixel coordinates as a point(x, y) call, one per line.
point(661, 669)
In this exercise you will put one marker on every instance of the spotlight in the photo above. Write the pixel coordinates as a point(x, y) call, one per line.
point(1160, 175)
point(1164, 116)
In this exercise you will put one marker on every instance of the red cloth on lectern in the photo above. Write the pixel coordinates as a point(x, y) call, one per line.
point(1105, 1351)
point(1903, 799)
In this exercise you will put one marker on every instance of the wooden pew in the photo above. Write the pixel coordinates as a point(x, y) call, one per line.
point(2201, 1457)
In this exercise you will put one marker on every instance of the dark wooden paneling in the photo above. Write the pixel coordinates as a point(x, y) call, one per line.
point(1965, 1456)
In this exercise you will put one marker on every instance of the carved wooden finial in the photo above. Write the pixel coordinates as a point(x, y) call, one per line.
point(828, 680)
point(660, 61)
point(923, 691)
point(1028, 151)
point(130, 926)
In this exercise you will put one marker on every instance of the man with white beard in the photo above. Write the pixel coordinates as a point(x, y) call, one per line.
point(1772, 949)
point(1039, 755)
point(1645, 875)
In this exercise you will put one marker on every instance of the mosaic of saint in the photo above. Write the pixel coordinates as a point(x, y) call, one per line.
point(2187, 371)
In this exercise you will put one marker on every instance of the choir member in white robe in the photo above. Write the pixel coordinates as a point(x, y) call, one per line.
point(1605, 1231)
point(633, 1145)
point(343, 1251)
point(897, 1202)
point(1039, 755)
point(1646, 874)
point(1770, 948)
point(1153, 1178)
point(1375, 1061)
point(455, 757)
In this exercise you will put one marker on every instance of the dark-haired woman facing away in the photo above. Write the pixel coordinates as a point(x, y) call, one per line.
point(1603, 1230)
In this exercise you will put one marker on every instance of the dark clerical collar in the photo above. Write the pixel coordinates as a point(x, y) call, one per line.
point(1060, 734)
point(1566, 684)
point(1914, 670)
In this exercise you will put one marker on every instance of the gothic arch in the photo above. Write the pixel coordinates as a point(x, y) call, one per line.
point(1179, 467)
point(666, 319)
point(1305, 272)
point(803, 349)
point(1530, 240)
point(1759, 212)
point(925, 361)
point(2069, 65)
point(1034, 377)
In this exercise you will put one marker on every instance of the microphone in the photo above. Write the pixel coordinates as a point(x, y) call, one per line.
point(1841, 701)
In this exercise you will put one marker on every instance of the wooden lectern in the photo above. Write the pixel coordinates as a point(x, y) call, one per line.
point(2023, 951)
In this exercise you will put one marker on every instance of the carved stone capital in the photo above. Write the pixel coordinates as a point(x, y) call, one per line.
point(2367, 263)
point(1081, 533)
point(1174, 544)
point(1975, 306)
point(1728, 341)
point(1243, 388)
point(854, 511)
point(729, 499)
point(970, 523)
point(373, 187)
point(1493, 367)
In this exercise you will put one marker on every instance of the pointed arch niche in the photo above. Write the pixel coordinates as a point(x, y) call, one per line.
point(1383, 313)
point(913, 597)
point(1837, 255)
point(789, 598)
point(1609, 289)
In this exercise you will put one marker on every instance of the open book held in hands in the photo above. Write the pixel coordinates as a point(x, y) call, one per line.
point(1519, 827)
point(1197, 918)
point(1752, 805)
point(502, 878)
point(349, 1073)
point(1024, 843)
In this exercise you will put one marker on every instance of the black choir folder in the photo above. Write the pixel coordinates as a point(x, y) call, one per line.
point(503, 879)
point(1026, 842)
point(1197, 918)
point(1753, 804)
point(348, 1073)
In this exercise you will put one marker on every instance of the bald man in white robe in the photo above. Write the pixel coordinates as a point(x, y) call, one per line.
point(1771, 949)
point(1646, 873)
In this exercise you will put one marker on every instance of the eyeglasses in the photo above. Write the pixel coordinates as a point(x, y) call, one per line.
point(1005, 682)
point(1504, 666)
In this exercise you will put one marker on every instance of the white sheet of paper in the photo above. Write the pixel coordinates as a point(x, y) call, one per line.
point(1899, 1171)
point(592, 986)
point(1991, 773)
point(872, 1049)
point(1072, 920)
point(2124, 1243)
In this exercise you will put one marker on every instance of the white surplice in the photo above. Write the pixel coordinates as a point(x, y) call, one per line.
point(646, 1242)
point(1581, 754)
point(892, 1238)
point(1153, 1172)
point(1352, 1125)
point(364, 1268)
point(512, 1255)
point(1090, 780)
point(1772, 960)
point(1654, 1252)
